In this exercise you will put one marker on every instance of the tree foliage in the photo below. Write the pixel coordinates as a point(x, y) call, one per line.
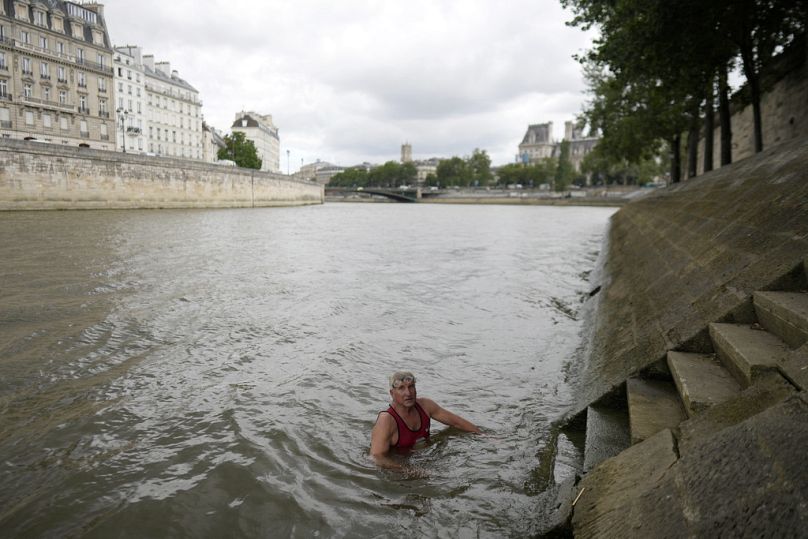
point(389, 175)
point(654, 66)
point(533, 175)
point(474, 171)
point(240, 150)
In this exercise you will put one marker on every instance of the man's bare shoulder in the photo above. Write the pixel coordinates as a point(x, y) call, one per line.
point(385, 419)
point(428, 405)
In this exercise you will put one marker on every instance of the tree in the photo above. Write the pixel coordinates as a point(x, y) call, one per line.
point(479, 168)
point(532, 175)
point(352, 177)
point(453, 172)
point(564, 170)
point(654, 67)
point(239, 149)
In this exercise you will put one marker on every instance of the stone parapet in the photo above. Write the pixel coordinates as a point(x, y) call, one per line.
point(38, 176)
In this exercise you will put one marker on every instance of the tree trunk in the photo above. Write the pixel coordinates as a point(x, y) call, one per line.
point(676, 164)
point(724, 117)
point(693, 144)
point(752, 79)
point(709, 128)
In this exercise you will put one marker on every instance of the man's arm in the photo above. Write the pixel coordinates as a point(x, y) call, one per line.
point(446, 417)
point(381, 439)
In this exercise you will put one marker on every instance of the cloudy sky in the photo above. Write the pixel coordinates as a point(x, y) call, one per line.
point(350, 80)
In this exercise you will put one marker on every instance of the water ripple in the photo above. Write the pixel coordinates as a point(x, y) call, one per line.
point(217, 373)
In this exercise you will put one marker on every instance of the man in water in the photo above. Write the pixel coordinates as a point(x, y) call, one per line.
point(407, 420)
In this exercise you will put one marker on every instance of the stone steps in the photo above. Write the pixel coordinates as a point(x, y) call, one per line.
point(607, 434)
point(701, 380)
point(747, 350)
point(785, 314)
point(653, 406)
point(755, 370)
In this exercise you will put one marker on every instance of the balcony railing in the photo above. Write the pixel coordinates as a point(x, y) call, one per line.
point(5, 97)
point(85, 134)
point(94, 65)
point(104, 137)
point(44, 76)
point(28, 73)
point(4, 66)
point(82, 85)
point(132, 130)
point(5, 124)
point(103, 114)
point(84, 110)
point(52, 104)
point(56, 54)
point(61, 80)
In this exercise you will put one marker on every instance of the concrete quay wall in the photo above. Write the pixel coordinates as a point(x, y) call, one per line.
point(37, 176)
point(683, 257)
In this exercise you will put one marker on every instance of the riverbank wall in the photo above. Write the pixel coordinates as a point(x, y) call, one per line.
point(683, 270)
point(39, 176)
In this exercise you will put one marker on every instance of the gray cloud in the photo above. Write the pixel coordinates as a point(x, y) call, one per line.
point(350, 81)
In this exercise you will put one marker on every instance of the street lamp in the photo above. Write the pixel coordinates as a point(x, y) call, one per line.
point(122, 117)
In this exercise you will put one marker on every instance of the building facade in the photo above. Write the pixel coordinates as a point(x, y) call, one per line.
point(56, 77)
point(173, 113)
point(537, 144)
point(319, 171)
point(130, 93)
point(580, 144)
point(213, 141)
point(264, 135)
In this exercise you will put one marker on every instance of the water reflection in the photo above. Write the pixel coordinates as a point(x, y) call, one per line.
point(218, 372)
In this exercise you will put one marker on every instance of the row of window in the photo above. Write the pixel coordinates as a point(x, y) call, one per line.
point(187, 153)
point(61, 48)
point(27, 68)
point(170, 104)
point(57, 22)
point(164, 134)
point(65, 122)
point(63, 97)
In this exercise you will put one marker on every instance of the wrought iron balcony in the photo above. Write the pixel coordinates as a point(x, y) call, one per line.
point(103, 114)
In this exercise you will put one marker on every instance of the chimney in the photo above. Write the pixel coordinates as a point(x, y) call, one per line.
point(96, 7)
point(148, 61)
point(165, 67)
point(568, 132)
point(175, 74)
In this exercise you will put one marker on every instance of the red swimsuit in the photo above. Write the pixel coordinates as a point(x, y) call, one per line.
point(406, 436)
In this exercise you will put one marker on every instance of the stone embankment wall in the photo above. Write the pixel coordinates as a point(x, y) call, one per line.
point(689, 255)
point(37, 176)
point(784, 108)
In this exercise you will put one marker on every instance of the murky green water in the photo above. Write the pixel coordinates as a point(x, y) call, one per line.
point(217, 373)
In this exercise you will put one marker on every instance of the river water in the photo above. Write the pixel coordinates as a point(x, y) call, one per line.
point(217, 373)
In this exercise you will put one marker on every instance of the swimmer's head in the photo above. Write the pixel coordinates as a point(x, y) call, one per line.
point(400, 377)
